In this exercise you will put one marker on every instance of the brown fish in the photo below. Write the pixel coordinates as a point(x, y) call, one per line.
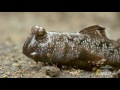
point(85, 49)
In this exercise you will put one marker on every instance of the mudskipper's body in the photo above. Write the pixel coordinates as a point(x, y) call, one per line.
point(82, 49)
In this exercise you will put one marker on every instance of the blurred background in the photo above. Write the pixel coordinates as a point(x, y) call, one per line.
point(16, 26)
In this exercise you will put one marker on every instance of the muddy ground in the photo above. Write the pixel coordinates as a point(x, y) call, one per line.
point(15, 28)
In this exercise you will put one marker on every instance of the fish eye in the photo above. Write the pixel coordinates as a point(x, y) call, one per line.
point(41, 31)
point(38, 30)
point(34, 29)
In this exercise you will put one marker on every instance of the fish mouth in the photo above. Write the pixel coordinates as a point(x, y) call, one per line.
point(30, 45)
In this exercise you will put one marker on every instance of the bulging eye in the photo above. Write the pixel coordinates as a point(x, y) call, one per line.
point(34, 29)
point(41, 31)
point(38, 30)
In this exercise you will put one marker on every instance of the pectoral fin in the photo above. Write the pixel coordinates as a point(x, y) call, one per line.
point(92, 58)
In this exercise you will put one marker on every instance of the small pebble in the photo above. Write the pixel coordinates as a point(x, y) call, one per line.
point(4, 76)
point(50, 70)
point(16, 64)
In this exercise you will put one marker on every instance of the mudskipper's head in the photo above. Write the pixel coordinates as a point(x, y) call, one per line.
point(37, 35)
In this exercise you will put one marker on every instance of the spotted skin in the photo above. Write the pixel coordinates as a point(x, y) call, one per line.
point(83, 49)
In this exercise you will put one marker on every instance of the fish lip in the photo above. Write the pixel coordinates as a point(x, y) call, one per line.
point(33, 55)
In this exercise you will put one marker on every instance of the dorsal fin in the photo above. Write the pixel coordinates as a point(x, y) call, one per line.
point(94, 30)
